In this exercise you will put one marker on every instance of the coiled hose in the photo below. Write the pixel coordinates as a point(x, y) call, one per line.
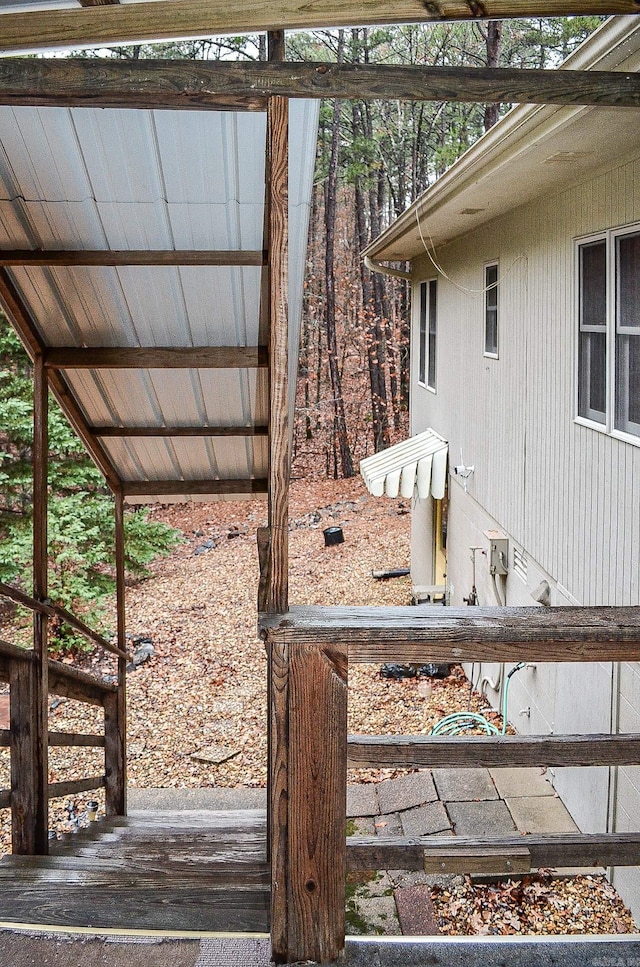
point(459, 722)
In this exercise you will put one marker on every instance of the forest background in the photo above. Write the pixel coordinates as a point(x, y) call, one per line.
point(374, 159)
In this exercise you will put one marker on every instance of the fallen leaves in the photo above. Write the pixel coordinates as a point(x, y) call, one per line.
point(537, 904)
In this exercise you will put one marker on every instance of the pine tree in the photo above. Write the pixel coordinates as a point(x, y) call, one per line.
point(80, 511)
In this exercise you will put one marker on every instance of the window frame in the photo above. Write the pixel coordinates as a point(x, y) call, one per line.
point(428, 336)
point(612, 331)
point(488, 288)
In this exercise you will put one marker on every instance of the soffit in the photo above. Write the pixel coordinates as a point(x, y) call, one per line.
point(533, 150)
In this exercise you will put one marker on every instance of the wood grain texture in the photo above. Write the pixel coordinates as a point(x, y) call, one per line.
point(317, 802)
point(193, 870)
point(205, 85)
point(193, 18)
point(443, 752)
point(485, 860)
point(549, 850)
point(144, 488)
point(157, 357)
point(17, 312)
point(420, 635)
point(24, 758)
point(278, 792)
point(113, 257)
point(276, 218)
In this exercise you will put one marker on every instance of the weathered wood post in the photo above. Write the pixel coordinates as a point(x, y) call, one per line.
point(24, 757)
point(36, 838)
point(309, 735)
point(115, 705)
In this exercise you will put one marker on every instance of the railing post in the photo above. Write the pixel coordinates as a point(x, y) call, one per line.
point(115, 705)
point(39, 820)
point(308, 799)
point(24, 757)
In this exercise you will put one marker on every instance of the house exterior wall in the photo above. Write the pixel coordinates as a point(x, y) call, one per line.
point(565, 495)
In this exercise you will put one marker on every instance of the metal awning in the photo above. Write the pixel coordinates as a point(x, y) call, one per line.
point(418, 465)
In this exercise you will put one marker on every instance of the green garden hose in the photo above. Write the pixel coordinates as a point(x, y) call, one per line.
point(459, 722)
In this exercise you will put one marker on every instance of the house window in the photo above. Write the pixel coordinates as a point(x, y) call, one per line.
point(428, 334)
point(491, 310)
point(609, 332)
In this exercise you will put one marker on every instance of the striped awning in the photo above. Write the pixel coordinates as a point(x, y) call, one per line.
point(418, 464)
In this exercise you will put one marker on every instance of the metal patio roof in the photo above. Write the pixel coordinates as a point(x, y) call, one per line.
point(121, 180)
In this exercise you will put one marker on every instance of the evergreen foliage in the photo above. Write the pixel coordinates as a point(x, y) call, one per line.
point(80, 511)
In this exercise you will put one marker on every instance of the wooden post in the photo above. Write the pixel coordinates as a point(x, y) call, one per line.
point(24, 782)
point(276, 600)
point(115, 706)
point(308, 862)
point(273, 545)
point(39, 819)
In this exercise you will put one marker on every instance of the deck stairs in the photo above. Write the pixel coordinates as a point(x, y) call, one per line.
point(193, 870)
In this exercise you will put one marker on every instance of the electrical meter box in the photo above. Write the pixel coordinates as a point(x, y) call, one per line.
point(498, 552)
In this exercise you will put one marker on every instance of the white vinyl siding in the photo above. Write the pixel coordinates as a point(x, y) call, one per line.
point(608, 380)
point(491, 310)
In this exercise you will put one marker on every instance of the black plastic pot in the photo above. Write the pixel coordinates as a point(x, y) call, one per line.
point(333, 535)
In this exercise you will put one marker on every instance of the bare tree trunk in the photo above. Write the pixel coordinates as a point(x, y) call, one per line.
point(341, 440)
point(493, 39)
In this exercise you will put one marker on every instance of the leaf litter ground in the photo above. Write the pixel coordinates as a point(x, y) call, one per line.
point(202, 696)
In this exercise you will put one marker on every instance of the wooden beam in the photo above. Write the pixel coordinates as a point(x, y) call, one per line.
point(434, 752)
point(73, 787)
point(112, 257)
point(277, 569)
point(75, 740)
point(547, 851)
point(160, 357)
point(193, 85)
point(179, 431)
point(467, 634)
point(25, 327)
point(72, 683)
point(134, 22)
point(177, 488)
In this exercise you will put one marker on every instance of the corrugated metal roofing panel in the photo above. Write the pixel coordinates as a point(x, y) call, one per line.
point(88, 178)
point(171, 397)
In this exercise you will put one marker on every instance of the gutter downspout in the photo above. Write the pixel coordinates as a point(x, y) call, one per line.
point(374, 266)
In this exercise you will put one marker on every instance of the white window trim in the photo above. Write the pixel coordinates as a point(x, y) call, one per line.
point(424, 383)
point(609, 236)
point(488, 265)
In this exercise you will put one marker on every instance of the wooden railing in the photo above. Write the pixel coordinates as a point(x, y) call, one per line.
point(19, 668)
point(310, 649)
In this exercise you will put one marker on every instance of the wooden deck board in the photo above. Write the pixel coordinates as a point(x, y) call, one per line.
point(201, 871)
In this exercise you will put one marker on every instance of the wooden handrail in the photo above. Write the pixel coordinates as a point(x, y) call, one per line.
point(310, 649)
point(75, 786)
point(549, 850)
point(60, 739)
point(490, 751)
point(56, 611)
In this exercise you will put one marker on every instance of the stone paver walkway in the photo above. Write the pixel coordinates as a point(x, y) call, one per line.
point(463, 802)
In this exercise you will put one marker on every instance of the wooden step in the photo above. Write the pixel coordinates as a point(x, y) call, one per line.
point(198, 870)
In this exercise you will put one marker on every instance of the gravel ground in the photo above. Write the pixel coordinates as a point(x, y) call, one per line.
point(202, 694)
